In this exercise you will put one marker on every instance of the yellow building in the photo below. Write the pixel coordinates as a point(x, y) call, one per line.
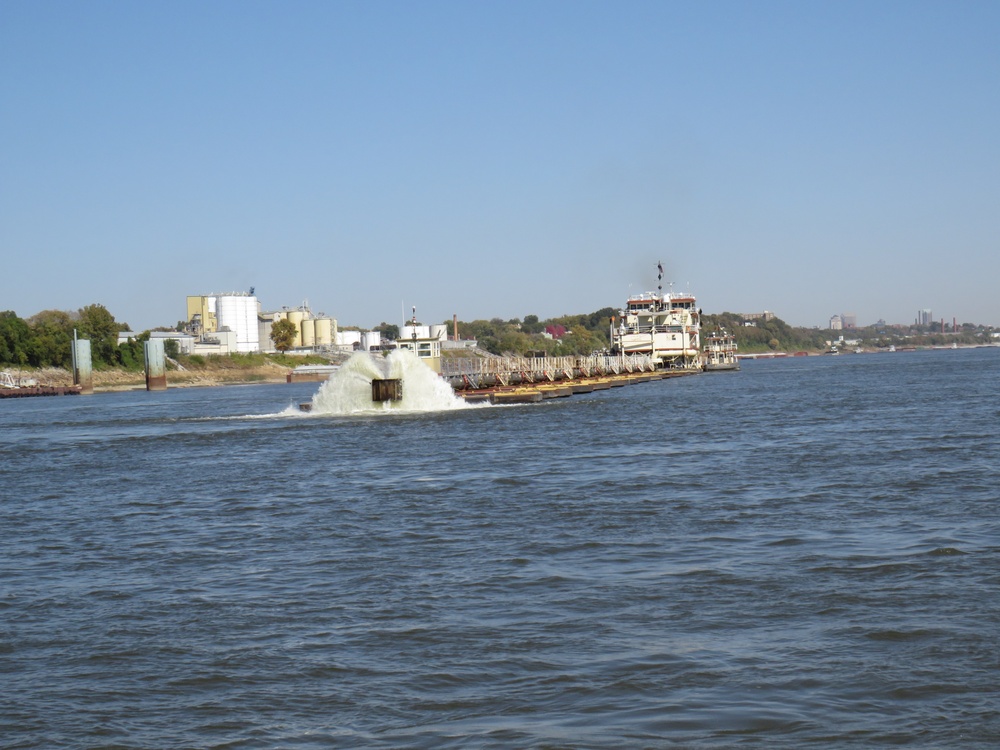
point(201, 315)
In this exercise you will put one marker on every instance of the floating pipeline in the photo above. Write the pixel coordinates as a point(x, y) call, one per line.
point(531, 394)
point(40, 390)
point(400, 382)
point(479, 373)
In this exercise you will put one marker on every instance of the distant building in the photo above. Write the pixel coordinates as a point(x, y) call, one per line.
point(836, 323)
point(210, 315)
point(850, 320)
point(924, 317)
point(764, 316)
point(185, 341)
point(313, 332)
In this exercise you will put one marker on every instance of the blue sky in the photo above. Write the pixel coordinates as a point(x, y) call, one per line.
point(499, 159)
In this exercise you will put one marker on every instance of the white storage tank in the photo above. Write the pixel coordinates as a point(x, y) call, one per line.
point(238, 313)
point(371, 340)
point(422, 332)
point(439, 332)
point(348, 338)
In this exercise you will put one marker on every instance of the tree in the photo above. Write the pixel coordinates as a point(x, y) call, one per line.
point(100, 326)
point(389, 331)
point(51, 339)
point(284, 334)
point(531, 324)
point(15, 339)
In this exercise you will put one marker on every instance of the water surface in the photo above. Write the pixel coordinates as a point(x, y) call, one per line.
point(805, 553)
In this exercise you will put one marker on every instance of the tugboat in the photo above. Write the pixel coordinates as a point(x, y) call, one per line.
point(665, 327)
point(720, 352)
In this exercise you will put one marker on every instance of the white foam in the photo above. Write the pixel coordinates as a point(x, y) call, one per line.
point(349, 391)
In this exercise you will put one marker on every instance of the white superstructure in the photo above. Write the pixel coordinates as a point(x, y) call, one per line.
point(665, 326)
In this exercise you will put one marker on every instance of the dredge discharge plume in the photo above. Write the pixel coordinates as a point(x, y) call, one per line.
point(349, 390)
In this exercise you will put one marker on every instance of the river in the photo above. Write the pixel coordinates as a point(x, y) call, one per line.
point(805, 553)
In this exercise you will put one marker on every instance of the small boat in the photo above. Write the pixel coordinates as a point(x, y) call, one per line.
point(719, 353)
point(832, 350)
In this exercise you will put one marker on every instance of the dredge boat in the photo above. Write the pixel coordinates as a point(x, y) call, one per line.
point(720, 352)
point(664, 326)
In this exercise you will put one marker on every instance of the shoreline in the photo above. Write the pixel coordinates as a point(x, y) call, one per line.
point(110, 381)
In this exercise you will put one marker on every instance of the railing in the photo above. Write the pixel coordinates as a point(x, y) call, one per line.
point(550, 368)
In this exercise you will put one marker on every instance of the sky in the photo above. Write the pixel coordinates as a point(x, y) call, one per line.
point(500, 159)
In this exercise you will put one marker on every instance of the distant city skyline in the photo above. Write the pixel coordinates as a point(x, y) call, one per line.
point(500, 160)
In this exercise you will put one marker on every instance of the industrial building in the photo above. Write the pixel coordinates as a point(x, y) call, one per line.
point(234, 322)
point(315, 333)
point(212, 316)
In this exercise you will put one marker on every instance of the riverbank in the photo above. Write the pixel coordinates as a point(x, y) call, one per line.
point(123, 380)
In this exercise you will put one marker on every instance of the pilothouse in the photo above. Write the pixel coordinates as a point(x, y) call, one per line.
point(665, 326)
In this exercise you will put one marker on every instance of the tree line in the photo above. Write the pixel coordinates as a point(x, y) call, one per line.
point(560, 336)
point(45, 339)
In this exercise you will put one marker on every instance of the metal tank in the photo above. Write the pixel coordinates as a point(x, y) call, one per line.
point(371, 340)
point(422, 332)
point(238, 312)
point(324, 331)
point(297, 316)
point(439, 332)
point(308, 329)
point(348, 338)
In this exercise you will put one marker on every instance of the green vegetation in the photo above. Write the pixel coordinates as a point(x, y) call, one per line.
point(568, 334)
point(284, 334)
point(774, 335)
point(244, 361)
point(44, 339)
point(388, 330)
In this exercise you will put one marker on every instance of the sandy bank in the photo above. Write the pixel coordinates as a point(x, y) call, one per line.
point(121, 380)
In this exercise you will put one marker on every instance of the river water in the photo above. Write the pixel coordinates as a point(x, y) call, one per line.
point(805, 553)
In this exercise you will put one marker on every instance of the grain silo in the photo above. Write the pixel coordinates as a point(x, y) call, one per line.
point(308, 328)
point(296, 317)
point(324, 331)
